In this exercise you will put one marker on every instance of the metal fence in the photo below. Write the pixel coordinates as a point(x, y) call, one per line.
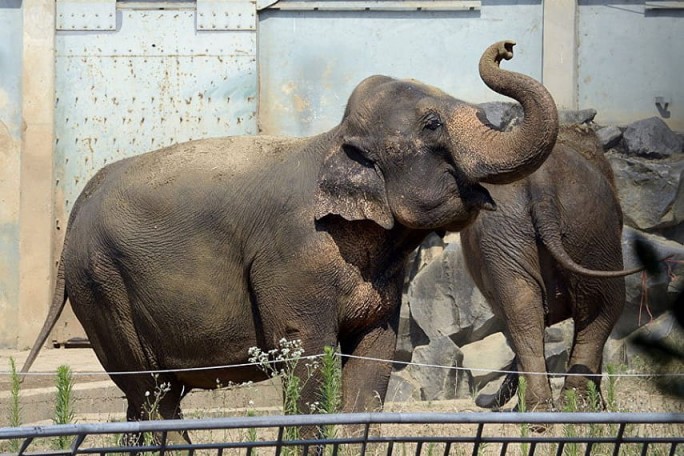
point(369, 434)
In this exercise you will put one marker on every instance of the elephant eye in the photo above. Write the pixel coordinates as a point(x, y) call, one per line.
point(433, 123)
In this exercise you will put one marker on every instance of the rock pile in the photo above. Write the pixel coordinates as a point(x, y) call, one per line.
point(451, 344)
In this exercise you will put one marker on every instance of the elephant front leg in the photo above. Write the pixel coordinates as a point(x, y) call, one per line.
point(364, 381)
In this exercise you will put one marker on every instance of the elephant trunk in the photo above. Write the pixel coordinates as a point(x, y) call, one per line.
point(497, 157)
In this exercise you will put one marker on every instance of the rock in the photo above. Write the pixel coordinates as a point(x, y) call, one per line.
point(646, 299)
point(576, 116)
point(431, 248)
point(557, 355)
point(651, 138)
point(665, 329)
point(651, 191)
point(402, 388)
point(436, 383)
point(609, 136)
point(409, 335)
point(486, 358)
point(503, 115)
point(557, 342)
point(444, 301)
point(615, 352)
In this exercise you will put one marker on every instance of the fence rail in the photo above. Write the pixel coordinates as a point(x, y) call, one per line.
point(373, 434)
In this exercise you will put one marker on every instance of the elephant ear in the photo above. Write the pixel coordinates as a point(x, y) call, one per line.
point(351, 186)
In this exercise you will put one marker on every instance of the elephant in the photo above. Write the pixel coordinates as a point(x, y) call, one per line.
point(552, 251)
point(188, 256)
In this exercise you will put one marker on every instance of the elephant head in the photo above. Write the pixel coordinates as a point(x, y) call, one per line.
point(407, 153)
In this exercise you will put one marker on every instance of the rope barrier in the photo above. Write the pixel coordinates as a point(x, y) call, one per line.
point(379, 360)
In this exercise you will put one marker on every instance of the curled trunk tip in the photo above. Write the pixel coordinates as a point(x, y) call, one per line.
point(503, 157)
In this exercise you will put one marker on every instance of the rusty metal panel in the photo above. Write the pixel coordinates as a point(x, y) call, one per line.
point(226, 15)
point(310, 61)
point(86, 14)
point(152, 83)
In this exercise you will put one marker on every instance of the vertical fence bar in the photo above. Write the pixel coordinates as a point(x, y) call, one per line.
point(366, 431)
point(673, 448)
point(561, 446)
point(478, 439)
point(618, 439)
point(279, 442)
point(447, 448)
point(78, 440)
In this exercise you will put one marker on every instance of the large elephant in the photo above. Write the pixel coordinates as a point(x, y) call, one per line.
point(552, 251)
point(187, 256)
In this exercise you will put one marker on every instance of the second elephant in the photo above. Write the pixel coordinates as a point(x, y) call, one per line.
point(552, 251)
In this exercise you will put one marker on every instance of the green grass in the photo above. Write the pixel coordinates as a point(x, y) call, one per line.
point(14, 415)
point(522, 408)
point(64, 403)
point(283, 362)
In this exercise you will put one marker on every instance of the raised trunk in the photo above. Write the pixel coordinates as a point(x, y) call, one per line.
point(502, 157)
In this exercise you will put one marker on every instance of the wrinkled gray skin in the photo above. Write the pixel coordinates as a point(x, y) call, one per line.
point(552, 251)
point(187, 256)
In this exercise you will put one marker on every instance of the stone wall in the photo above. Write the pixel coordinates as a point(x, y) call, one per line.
point(448, 334)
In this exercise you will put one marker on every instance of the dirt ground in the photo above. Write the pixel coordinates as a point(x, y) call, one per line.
point(96, 399)
point(97, 396)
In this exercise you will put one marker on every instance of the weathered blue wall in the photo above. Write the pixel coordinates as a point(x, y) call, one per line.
point(311, 60)
point(629, 55)
point(10, 140)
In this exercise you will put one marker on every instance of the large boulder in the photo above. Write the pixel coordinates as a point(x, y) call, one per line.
point(651, 191)
point(434, 368)
point(487, 359)
point(651, 138)
point(444, 301)
point(609, 136)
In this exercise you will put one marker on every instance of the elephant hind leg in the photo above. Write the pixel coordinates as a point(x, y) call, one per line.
point(154, 397)
point(596, 313)
point(519, 300)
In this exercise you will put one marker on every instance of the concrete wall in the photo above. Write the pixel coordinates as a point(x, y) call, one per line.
point(628, 56)
point(10, 146)
point(335, 50)
point(615, 56)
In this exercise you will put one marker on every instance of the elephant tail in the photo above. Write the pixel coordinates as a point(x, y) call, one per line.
point(546, 219)
point(58, 301)
point(508, 389)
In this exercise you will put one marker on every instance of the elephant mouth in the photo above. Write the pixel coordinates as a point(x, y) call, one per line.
point(478, 198)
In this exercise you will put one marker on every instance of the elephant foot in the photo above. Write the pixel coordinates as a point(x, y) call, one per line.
point(488, 401)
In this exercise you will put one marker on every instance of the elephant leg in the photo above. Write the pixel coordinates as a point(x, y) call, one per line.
point(152, 398)
point(364, 382)
point(520, 302)
point(596, 310)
